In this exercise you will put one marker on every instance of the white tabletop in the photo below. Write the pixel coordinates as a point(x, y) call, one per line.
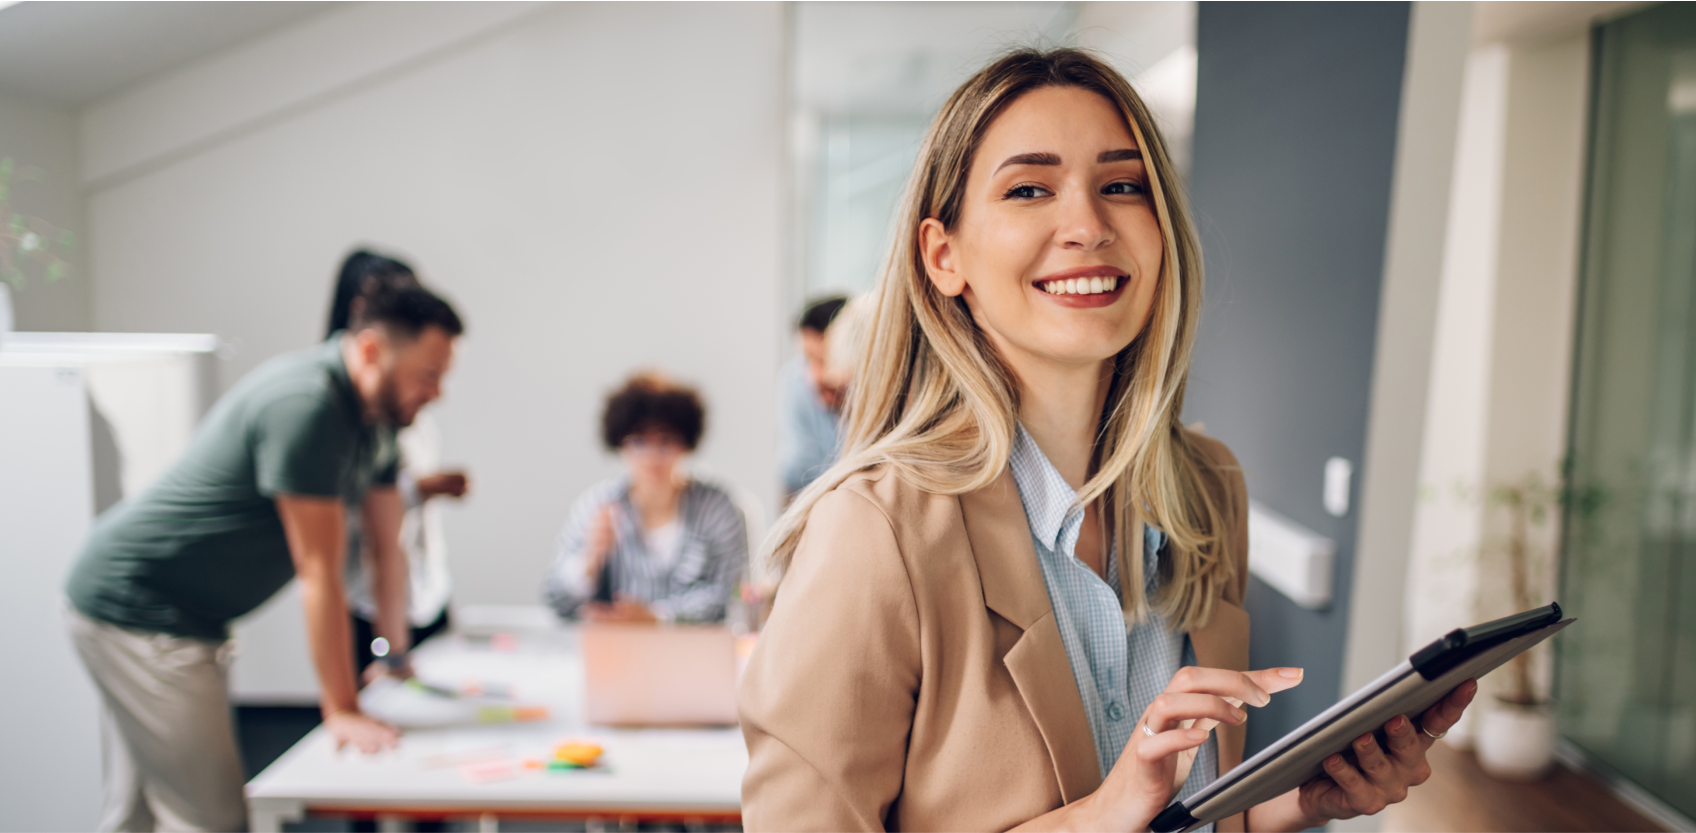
point(644, 773)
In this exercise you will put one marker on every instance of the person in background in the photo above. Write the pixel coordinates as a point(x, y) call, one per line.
point(811, 410)
point(655, 544)
point(844, 344)
point(261, 495)
point(420, 480)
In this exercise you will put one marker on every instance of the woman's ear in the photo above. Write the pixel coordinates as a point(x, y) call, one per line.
point(938, 251)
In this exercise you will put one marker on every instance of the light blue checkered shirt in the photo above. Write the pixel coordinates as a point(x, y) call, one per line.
point(1118, 673)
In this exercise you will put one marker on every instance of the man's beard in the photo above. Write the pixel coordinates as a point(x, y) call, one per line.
point(389, 409)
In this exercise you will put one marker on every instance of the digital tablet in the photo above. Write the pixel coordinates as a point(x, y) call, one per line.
point(1408, 689)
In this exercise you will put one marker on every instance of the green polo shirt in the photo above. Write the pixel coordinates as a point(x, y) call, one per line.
point(205, 544)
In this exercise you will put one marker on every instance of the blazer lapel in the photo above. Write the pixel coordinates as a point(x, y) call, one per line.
point(1013, 587)
point(1223, 643)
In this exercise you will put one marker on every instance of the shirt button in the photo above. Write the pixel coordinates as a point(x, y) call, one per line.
point(1115, 712)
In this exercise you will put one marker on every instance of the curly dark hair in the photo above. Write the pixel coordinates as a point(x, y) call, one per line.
point(649, 401)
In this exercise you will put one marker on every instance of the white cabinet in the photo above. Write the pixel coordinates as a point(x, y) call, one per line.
point(84, 419)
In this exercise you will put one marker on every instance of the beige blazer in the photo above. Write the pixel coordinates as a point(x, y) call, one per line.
point(911, 676)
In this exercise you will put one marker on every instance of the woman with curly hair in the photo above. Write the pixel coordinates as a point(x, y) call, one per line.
point(656, 543)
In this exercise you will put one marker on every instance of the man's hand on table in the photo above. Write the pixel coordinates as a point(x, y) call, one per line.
point(362, 732)
point(398, 667)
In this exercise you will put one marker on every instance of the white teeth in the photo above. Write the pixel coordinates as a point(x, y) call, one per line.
point(1082, 286)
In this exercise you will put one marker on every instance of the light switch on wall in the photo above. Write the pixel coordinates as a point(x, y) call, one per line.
point(1338, 472)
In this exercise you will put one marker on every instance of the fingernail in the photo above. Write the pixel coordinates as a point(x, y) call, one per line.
point(1239, 714)
point(1290, 673)
point(1265, 699)
point(1196, 734)
point(1333, 762)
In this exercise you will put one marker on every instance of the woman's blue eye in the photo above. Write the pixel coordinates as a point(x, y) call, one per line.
point(1025, 192)
point(1123, 188)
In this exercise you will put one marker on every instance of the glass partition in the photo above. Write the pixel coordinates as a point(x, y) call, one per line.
point(1627, 673)
point(867, 78)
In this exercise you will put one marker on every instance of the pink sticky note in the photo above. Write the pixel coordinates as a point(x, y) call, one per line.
point(482, 772)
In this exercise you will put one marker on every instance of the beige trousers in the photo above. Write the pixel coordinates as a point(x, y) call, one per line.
point(168, 743)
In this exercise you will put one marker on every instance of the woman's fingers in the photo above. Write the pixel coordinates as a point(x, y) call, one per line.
point(1164, 744)
point(1362, 797)
point(1404, 741)
point(1274, 680)
point(1442, 717)
point(1379, 769)
point(1169, 709)
point(1252, 687)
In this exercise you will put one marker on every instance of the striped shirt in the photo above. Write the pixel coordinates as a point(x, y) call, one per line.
point(1118, 671)
point(692, 582)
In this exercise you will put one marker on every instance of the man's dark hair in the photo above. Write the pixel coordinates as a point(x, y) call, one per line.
point(818, 314)
point(362, 273)
point(649, 401)
point(405, 311)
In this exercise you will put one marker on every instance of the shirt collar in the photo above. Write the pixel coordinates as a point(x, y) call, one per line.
point(1051, 504)
point(330, 356)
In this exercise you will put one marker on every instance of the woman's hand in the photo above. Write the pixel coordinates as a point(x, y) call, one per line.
point(622, 610)
point(1382, 776)
point(1179, 720)
point(603, 534)
point(444, 483)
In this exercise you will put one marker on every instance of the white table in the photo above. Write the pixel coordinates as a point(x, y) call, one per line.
point(684, 775)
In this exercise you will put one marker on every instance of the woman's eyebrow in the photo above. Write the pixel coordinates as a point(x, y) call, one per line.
point(1039, 158)
point(1044, 158)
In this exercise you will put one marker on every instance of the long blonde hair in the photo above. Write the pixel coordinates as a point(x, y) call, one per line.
point(932, 399)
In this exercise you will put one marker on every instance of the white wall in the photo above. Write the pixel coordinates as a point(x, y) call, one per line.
point(597, 186)
point(1432, 94)
point(1442, 576)
point(1500, 381)
point(45, 138)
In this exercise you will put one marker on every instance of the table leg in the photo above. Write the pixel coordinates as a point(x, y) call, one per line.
point(267, 815)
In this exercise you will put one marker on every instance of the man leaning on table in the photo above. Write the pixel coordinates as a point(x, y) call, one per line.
point(260, 496)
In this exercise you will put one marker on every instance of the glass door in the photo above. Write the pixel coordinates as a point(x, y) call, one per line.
point(1626, 680)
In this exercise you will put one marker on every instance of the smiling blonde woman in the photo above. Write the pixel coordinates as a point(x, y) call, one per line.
point(1016, 601)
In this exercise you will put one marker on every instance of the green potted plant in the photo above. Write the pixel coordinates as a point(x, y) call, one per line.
point(29, 246)
point(1515, 735)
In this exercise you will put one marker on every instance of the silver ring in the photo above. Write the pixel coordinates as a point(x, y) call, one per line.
point(1147, 731)
point(1428, 732)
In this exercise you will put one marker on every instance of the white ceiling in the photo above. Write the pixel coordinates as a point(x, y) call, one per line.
point(69, 54)
point(903, 59)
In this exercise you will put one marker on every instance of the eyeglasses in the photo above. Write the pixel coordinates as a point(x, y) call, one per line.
point(653, 444)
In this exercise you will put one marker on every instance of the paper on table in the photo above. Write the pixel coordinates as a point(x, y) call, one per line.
point(409, 706)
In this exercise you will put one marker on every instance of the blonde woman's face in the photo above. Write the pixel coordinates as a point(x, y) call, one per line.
point(1057, 249)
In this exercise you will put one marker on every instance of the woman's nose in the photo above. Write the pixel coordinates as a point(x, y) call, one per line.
point(1083, 225)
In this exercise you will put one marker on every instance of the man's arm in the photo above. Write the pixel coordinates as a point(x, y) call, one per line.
point(382, 513)
point(317, 534)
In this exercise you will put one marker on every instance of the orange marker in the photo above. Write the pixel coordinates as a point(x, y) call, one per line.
point(582, 754)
